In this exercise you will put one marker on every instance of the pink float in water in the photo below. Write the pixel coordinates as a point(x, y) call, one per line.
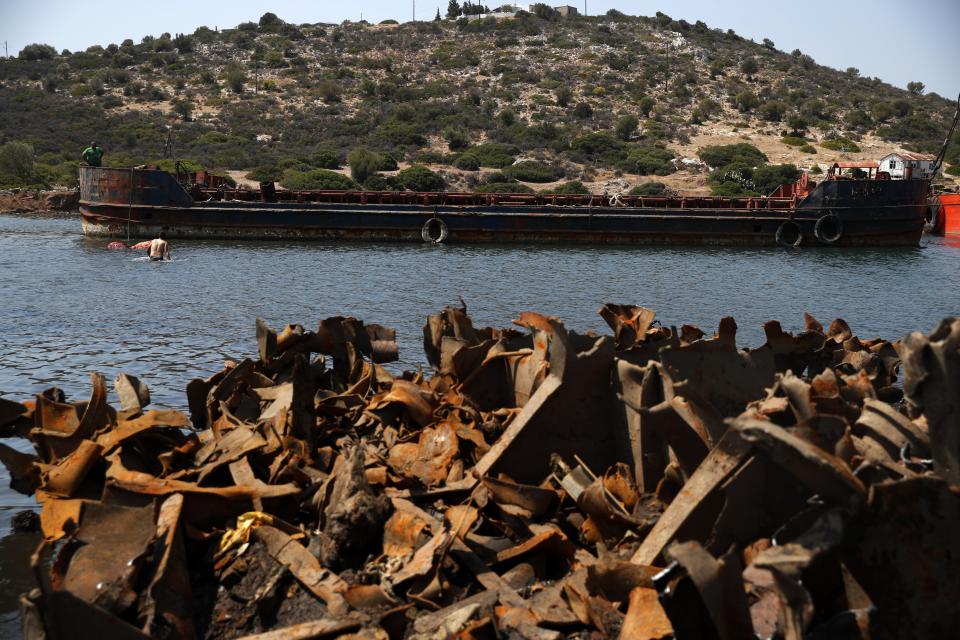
point(116, 245)
point(142, 245)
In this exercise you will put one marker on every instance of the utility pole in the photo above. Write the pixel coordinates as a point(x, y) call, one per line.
point(414, 10)
point(585, 8)
point(5, 54)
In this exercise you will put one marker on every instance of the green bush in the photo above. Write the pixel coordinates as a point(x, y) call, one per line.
point(649, 189)
point(400, 134)
point(858, 119)
point(646, 105)
point(772, 111)
point(17, 165)
point(920, 130)
point(467, 163)
point(793, 141)
point(493, 155)
point(746, 101)
point(598, 147)
point(111, 102)
point(503, 187)
point(266, 173)
point(808, 148)
point(768, 177)
point(37, 52)
point(739, 178)
point(532, 171)
point(326, 158)
point(364, 163)
point(507, 117)
point(235, 76)
point(574, 187)
point(322, 179)
point(583, 110)
point(840, 144)
point(376, 182)
point(722, 155)
point(646, 160)
point(626, 126)
point(953, 170)
point(430, 157)
point(457, 137)
point(420, 178)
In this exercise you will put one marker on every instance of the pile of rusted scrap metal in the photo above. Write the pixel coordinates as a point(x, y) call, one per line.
point(539, 483)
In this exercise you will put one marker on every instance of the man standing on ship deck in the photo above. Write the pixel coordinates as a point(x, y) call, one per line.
point(92, 155)
point(159, 249)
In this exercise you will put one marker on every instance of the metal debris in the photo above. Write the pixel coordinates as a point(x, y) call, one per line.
point(536, 483)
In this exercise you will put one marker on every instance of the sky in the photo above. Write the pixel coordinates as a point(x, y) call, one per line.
point(896, 40)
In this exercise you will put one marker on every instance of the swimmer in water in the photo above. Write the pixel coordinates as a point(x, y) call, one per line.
point(159, 249)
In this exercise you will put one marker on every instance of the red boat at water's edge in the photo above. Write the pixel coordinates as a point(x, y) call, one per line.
point(946, 219)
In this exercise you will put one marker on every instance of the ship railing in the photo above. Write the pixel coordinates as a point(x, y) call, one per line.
point(467, 199)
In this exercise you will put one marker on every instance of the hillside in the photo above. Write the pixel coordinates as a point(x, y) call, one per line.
point(534, 101)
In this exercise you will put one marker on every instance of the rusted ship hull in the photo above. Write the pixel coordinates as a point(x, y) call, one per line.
point(139, 204)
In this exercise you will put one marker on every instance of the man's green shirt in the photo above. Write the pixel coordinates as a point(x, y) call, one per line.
point(92, 156)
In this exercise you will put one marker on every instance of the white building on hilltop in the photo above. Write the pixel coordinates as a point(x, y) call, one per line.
point(905, 165)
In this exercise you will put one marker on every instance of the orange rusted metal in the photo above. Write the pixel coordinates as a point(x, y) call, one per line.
point(775, 489)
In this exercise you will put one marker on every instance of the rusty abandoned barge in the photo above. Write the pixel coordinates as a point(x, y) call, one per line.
point(838, 211)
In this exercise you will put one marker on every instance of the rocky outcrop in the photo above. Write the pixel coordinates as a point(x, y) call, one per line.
point(25, 201)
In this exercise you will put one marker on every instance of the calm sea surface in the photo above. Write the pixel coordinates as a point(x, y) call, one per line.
point(69, 306)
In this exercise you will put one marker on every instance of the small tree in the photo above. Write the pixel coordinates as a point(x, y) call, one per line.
point(916, 88)
point(235, 76)
point(453, 9)
point(646, 105)
point(768, 43)
point(330, 91)
point(183, 107)
point(363, 163)
point(456, 138)
point(507, 117)
point(37, 52)
point(270, 20)
point(583, 110)
point(798, 125)
point(627, 126)
point(564, 96)
point(545, 11)
point(16, 159)
point(773, 111)
point(749, 67)
point(746, 101)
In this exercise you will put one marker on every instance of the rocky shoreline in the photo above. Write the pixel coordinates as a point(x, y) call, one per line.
point(36, 201)
point(658, 482)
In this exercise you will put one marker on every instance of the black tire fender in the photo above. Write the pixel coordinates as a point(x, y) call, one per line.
point(821, 229)
point(785, 231)
point(434, 231)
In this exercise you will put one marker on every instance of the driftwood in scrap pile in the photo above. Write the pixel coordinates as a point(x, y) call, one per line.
point(541, 484)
